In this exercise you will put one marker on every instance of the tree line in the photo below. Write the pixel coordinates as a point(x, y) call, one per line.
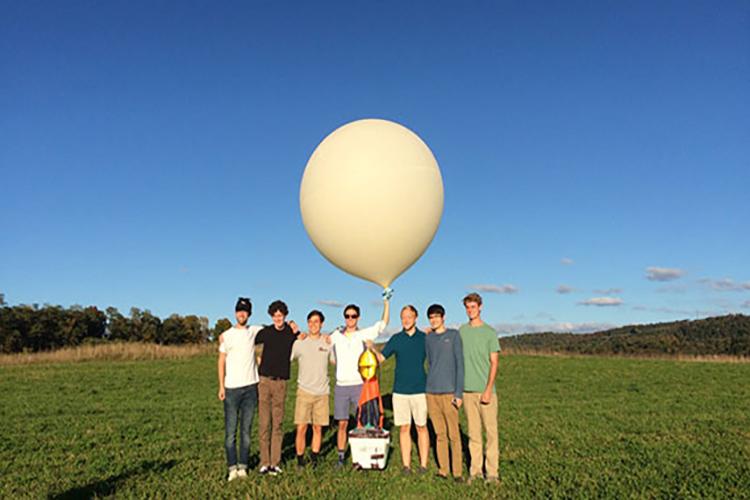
point(31, 328)
point(721, 335)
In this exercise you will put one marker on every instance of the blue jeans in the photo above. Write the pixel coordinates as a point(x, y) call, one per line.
point(239, 410)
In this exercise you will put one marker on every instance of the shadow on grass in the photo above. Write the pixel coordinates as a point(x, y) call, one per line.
point(108, 486)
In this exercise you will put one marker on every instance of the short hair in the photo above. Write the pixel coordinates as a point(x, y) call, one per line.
point(473, 297)
point(352, 306)
point(435, 309)
point(278, 306)
point(411, 308)
point(317, 313)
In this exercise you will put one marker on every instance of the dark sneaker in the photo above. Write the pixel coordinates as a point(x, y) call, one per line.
point(405, 471)
point(422, 471)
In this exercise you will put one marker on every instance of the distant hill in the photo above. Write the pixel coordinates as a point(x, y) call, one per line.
point(727, 335)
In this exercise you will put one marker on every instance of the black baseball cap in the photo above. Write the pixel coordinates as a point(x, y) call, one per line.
point(244, 304)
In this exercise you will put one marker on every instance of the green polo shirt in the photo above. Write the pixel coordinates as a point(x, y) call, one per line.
point(410, 356)
point(478, 342)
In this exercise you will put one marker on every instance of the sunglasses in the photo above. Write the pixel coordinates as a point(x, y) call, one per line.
point(351, 316)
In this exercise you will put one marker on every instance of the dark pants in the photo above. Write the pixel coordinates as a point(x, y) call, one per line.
point(239, 410)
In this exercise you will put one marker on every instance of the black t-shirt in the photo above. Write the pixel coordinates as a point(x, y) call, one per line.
point(277, 348)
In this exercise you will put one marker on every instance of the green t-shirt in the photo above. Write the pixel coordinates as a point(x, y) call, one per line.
point(478, 342)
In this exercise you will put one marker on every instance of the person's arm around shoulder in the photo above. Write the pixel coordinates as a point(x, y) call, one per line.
point(493, 347)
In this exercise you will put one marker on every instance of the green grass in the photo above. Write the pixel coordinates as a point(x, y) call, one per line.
point(569, 427)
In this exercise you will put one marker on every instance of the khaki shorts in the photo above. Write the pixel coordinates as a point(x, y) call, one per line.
point(311, 409)
point(409, 406)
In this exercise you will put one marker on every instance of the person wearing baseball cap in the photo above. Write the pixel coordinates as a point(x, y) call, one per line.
point(238, 386)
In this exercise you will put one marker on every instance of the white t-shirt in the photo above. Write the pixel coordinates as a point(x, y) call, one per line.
point(239, 346)
point(348, 349)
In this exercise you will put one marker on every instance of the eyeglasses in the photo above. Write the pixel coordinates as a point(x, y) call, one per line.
point(351, 316)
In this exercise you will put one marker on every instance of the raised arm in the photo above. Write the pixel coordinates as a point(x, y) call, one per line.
point(386, 311)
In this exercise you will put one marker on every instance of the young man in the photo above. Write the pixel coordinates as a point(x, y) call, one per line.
point(313, 353)
point(445, 388)
point(277, 340)
point(481, 354)
point(409, 402)
point(348, 345)
point(238, 386)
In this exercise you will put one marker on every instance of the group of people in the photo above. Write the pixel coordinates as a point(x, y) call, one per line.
point(461, 371)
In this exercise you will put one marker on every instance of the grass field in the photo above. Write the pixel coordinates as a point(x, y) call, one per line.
point(569, 427)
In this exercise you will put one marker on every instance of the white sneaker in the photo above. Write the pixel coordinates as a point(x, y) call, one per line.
point(274, 470)
point(233, 474)
point(241, 473)
point(264, 470)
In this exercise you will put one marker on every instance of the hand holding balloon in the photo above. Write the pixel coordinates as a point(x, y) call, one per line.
point(387, 293)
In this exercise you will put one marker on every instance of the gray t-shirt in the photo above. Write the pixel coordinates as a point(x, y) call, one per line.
point(313, 356)
point(445, 359)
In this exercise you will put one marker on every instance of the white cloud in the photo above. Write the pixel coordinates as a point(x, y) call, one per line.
point(602, 301)
point(609, 291)
point(563, 289)
point(566, 261)
point(664, 273)
point(505, 329)
point(330, 303)
point(725, 284)
point(495, 288)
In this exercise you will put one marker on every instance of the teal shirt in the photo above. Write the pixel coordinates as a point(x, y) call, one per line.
point(410, 356)
point(478, 343)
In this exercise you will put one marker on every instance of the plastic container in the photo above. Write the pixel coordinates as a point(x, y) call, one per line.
point(369, 448)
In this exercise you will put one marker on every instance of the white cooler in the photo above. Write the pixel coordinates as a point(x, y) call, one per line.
point(369, 452)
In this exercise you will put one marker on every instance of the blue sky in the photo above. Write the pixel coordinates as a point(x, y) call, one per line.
point(151, 153)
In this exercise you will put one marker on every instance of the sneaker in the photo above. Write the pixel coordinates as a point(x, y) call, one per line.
point(274, 470)
point(264, 470)
point(232, 475)
point(422, 471)
point(340, 464)
point(458, 479)
point(405, 471)
point(241, 473)
point(493, 479)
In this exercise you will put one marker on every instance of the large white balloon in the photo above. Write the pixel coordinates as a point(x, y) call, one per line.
point(371, 199)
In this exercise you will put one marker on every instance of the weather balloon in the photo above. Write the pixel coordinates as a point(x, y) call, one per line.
point(371, 199)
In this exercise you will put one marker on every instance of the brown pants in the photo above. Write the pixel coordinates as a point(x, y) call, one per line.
point(444, 418)
point(271, 399)
point(479, 417)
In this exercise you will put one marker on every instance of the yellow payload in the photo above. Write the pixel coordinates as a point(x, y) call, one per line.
point(368, 365)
